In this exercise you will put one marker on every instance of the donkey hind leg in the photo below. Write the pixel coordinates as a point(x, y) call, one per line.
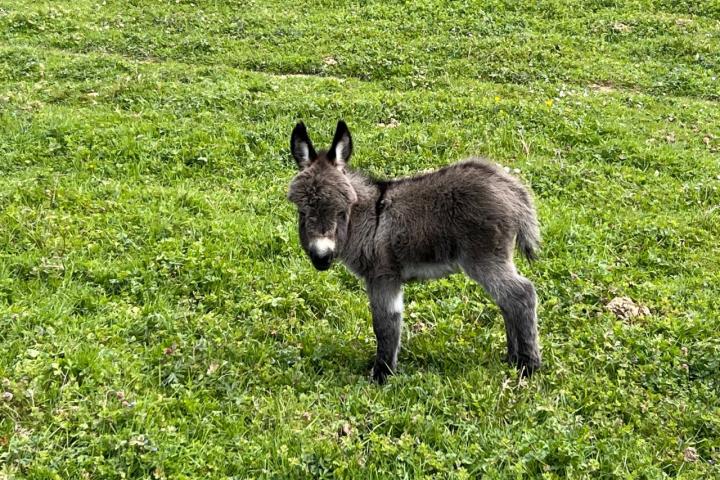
point(386, 303)
point(515, 295)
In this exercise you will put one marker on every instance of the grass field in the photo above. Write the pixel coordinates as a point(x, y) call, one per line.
point(158, 318)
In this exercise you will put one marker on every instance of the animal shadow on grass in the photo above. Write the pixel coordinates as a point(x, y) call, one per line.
point(435, 349)
point(342, 360)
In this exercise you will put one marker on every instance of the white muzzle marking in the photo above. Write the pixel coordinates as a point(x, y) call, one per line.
point(322, 246)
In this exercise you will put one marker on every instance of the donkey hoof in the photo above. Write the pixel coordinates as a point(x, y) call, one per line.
point(527, 366)
point(380, 372)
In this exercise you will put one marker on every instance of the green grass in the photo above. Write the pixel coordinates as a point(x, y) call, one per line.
point(158, 318)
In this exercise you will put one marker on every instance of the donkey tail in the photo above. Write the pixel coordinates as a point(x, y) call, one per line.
point(528, 236)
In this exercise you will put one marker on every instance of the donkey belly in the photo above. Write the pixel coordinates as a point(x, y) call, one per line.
point(428, 271)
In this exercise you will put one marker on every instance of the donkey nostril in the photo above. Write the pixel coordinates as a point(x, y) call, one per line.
point(321, 262)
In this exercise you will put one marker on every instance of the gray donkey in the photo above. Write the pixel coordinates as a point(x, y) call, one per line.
point(467, 216)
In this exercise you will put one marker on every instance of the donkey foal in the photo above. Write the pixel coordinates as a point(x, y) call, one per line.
point(467, 216)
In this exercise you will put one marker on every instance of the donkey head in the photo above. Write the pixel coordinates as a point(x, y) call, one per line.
point(322, 193)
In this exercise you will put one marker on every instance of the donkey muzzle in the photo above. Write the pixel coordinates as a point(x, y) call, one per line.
point(322, 252)
point(321, 263)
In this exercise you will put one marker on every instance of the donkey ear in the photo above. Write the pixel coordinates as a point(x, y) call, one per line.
point(301, 146)
point(342, 146)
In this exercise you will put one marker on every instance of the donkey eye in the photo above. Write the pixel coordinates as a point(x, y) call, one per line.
point(342, 216)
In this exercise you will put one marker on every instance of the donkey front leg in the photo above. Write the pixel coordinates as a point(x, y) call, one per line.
point(386, 303)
